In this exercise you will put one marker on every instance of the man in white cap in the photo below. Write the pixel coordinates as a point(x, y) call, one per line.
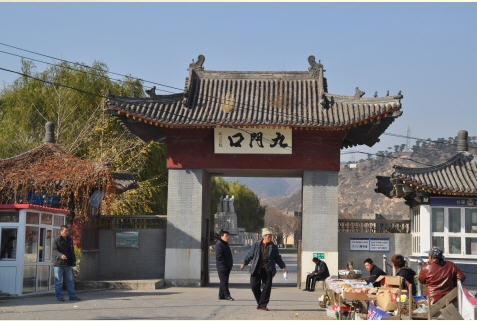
point(263, 256)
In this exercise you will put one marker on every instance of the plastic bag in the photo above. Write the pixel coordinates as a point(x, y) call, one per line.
point(375, 313)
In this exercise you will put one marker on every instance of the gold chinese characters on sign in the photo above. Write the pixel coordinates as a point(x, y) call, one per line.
point(253, 140)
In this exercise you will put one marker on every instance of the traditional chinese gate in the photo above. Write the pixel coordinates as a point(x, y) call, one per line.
point(267, 124)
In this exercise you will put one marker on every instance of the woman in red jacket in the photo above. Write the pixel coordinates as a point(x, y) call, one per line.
point(439, 276)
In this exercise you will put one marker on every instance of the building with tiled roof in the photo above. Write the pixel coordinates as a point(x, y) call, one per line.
point(296, 99)
point(443, 204)
point(455, 177)
point(253, 123)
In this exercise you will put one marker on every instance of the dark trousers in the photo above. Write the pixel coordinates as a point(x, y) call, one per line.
point(311, 281)
point(224, 284)
point(262, 296)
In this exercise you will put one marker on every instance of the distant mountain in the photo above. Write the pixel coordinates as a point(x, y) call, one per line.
point(267, 187)
point(356, 195)
point(287, 204)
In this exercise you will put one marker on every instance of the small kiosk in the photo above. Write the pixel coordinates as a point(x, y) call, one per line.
point(27, 233)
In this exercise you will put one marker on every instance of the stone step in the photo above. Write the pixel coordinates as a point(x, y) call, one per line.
point(147, 285)
point(4, 296)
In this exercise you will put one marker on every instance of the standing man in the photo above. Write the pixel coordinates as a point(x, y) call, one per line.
point(263, 256)
point(320, 274)
point(65, 259)
point(374, 272)
point(224, 262)
point(439, 276)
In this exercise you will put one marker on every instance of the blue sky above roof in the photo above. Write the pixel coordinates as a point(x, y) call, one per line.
point(426, 50)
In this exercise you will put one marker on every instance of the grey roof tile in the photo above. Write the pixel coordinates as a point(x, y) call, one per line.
point(296, 98)
point(457, 176)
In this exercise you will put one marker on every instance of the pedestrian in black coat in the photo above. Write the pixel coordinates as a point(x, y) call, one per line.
point(263, 256)
point(224, 262)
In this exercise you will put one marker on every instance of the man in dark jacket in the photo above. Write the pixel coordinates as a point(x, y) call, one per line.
point(374, 272)
point(439, 276)
point(319, 274)
point(263, 256)
point(64, 258)
point(224, 262)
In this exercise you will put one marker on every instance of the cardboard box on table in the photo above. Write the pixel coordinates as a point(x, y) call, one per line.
point(390, 292)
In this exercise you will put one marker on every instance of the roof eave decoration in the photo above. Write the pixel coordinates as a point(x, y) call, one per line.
point(455, 177)
point(296, 99)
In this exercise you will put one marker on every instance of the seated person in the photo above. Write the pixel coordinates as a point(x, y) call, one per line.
point(406, 273)
point(319, 274)
point(439, 276)
point(374, 272)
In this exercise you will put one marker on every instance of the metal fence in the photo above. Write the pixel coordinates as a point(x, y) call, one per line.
point(374, 226)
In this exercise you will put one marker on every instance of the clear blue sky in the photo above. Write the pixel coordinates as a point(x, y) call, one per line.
point(429, 51)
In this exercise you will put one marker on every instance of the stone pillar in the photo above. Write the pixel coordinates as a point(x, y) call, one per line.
point(320, 220)
point(187, 206)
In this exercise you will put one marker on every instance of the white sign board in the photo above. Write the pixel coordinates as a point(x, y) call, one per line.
point(253, 140)
point(359, 244)
point(379, 245)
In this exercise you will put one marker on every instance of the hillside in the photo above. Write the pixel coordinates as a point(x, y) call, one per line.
point(357, 198)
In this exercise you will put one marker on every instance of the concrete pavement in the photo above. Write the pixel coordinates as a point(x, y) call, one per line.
point(169, 303)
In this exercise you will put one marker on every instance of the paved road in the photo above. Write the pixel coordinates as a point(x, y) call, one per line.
point(170, 303)
point(243, 277)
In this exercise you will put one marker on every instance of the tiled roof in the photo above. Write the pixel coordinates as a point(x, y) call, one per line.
point(254, 98)
point(305, 112)
point(457, 176)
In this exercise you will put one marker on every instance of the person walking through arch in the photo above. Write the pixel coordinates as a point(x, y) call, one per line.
point(262, 258)
point(224, 262)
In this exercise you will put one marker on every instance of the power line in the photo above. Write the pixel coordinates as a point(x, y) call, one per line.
point(137, 78)
point(148, 81)
point(244, 106)
point(420, 139)
point(79, 70)
point(86, 66)
point(103, 96)
point(241, 129)
point(387, 156)
point(404, 158)
point(291, 116)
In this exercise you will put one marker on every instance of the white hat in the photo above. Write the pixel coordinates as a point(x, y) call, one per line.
point(266, 231)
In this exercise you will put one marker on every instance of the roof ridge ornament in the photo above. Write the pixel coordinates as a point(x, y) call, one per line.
point(316, 69)
point(152, 92)
point(358, 93)
point(199, 64)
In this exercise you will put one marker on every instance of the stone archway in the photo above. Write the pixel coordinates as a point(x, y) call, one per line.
point(317, 124)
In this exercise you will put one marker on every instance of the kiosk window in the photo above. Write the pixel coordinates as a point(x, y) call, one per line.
point(8, 244)
point(32, 218)
point(8, 217)
point(31, 244)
